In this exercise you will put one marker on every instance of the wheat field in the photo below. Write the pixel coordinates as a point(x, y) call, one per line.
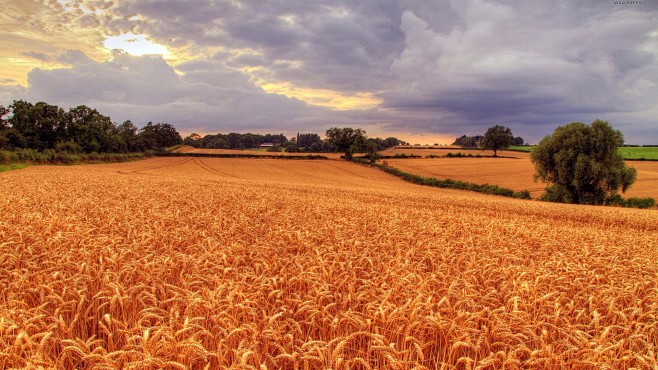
point(211, 263)
point(515, 171)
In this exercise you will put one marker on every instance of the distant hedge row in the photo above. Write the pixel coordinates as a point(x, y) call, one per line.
point(51, 156)
point(233, 155)
point(448, 183)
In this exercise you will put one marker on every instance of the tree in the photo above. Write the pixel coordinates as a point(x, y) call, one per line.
point(307, 140)
point(518, 141)
point(194, 140)
point(347, 140)
point(217, 143)
point(582, 163)
point(92, 131)
point(127, 131)
point(496, 138)
point(468, 141)
point(41, 125)
point(159, 135)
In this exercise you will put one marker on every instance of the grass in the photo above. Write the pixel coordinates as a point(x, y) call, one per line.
point(521, 148)
point(627, 152)
point(12, 166)
point(639, 152)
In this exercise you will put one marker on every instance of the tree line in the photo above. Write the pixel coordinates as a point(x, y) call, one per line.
point(476, 141)
point(496, 138)
point(42, 126)
point(302, 142)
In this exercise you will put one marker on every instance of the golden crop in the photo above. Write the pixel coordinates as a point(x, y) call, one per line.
point(268, 264)
point(515, 172)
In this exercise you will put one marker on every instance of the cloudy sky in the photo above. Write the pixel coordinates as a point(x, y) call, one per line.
point(423, 70)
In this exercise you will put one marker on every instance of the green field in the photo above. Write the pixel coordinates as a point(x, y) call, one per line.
point(627, 152)
point(521, 148)
point(639, 152)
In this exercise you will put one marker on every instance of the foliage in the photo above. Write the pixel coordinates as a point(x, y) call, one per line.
point(52, 156)
point(634, 202)
point(496, 138)
point(241, 155)
point(348, 140)
point(159, 135)
point(42, 127)
point(389, 142)
point(306, 141)
point(582, 163)
point(274, 148)
point(233, 140)
point(468, 141)
point(292, 148)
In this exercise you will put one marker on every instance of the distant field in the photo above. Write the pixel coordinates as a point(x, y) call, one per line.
point(514, 173)
point(627, 152)
point(193, 263)
point(637, 152)
point(521, 148)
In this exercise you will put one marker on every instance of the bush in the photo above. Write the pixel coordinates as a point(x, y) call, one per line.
point(291, 149)
point(7, 157)
point(636, 202)
point(274, 148)
point(557, 194)
point(69, 146)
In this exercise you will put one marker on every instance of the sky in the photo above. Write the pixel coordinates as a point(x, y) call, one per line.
point(425, 71)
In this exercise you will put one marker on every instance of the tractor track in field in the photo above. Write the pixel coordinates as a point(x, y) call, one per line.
point(207, 168)
point(139, 171)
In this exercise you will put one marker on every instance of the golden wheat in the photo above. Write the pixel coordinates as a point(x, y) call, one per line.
point(235, 263)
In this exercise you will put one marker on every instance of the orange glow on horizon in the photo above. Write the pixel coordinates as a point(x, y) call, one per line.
point(324, 98)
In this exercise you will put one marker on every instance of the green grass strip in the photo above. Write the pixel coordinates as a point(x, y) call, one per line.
point(12, 166)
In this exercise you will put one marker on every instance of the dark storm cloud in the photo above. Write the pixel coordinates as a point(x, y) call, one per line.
point(208, 97)
point(448, 67)
point(334, 45)
point(511, 65)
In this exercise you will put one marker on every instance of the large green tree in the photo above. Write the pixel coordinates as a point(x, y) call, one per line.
point(496, 138)
point(582, 163)
point(347, 140)
point(159, 135)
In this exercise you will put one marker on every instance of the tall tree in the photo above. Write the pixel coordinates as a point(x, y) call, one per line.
point(582, 163)
point(496, 138)
point(159, 135)
point(127, 131)
point(346, 139)
point(91, 130)
point(41, 125)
